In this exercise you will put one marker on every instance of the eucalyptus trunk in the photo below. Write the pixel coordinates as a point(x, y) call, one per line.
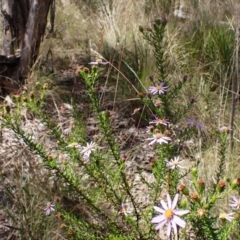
point(24, 23)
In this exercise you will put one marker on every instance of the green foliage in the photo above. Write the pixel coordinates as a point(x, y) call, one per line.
point(90, 188)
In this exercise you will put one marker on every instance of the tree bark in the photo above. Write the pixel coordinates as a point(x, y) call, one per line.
point(24, 23)
point(8, 27)
point(34, 34)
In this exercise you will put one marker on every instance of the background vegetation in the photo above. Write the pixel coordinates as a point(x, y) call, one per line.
point(191, 46)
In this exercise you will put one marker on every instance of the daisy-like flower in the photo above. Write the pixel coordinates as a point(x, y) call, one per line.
point(158, 89)
point(159, 138)
point(193, 122)
point(123, 209)
point(235, 202)
point(89, 149)
point(49, 208)
point(169, 215)
point(174, 163)
point(224, 129)
point(160, 121)
point(226, 216)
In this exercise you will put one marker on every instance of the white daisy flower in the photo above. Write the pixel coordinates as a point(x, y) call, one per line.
point(174, 163)
point(89, 149)
point(169, 215)
point(235, 202)
point(159, 138)
point(160, 121)
point(158, 89)
point(226, 216)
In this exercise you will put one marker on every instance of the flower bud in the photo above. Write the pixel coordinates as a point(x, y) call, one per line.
point(123, 158)
point(201, 212)
point(201, 184)
point(45, 86)
point(95, 137)
point(16, 97)
point(25, 99)
point(235, 183)
point(140, 95)
point(221, 185)
point(183, 203)
point(182, 188)
point(141, 29)
point(38, 84)
point(194, 196)
point(194, 172)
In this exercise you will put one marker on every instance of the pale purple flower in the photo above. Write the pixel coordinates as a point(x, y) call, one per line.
point(89, 149)
point(123, 210)
point(159, 138)
point(193, 122)
point(174, 163)
point(160, 121)
point(169, 215)
point(226, 216)
point(224, 129)
point(235, 202)
point(49, 208)
point(158, 89)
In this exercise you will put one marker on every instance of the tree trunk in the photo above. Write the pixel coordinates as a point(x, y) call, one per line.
point(24, 23)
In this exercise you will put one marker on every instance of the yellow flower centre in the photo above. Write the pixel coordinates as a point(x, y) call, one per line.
point(123, 210)
point(168, 214)
point(238, 203)
point(48, 205)
point(195, 122)
point(159, 87)
point(175, 163)
point(223, 216)
point(158, 135)
point(160, 121)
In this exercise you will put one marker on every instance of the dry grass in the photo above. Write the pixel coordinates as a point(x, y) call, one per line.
point(84, 30)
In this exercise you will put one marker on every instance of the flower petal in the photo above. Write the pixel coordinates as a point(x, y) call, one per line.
point(180, 212)
point(152, 142)
point(158, 219)
point(160, 224)
point(179, 221)
point(169, 201)
point(158, 209)
point(174, 203)
point(164, 205)
point(174, 226)
point(169, 228)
